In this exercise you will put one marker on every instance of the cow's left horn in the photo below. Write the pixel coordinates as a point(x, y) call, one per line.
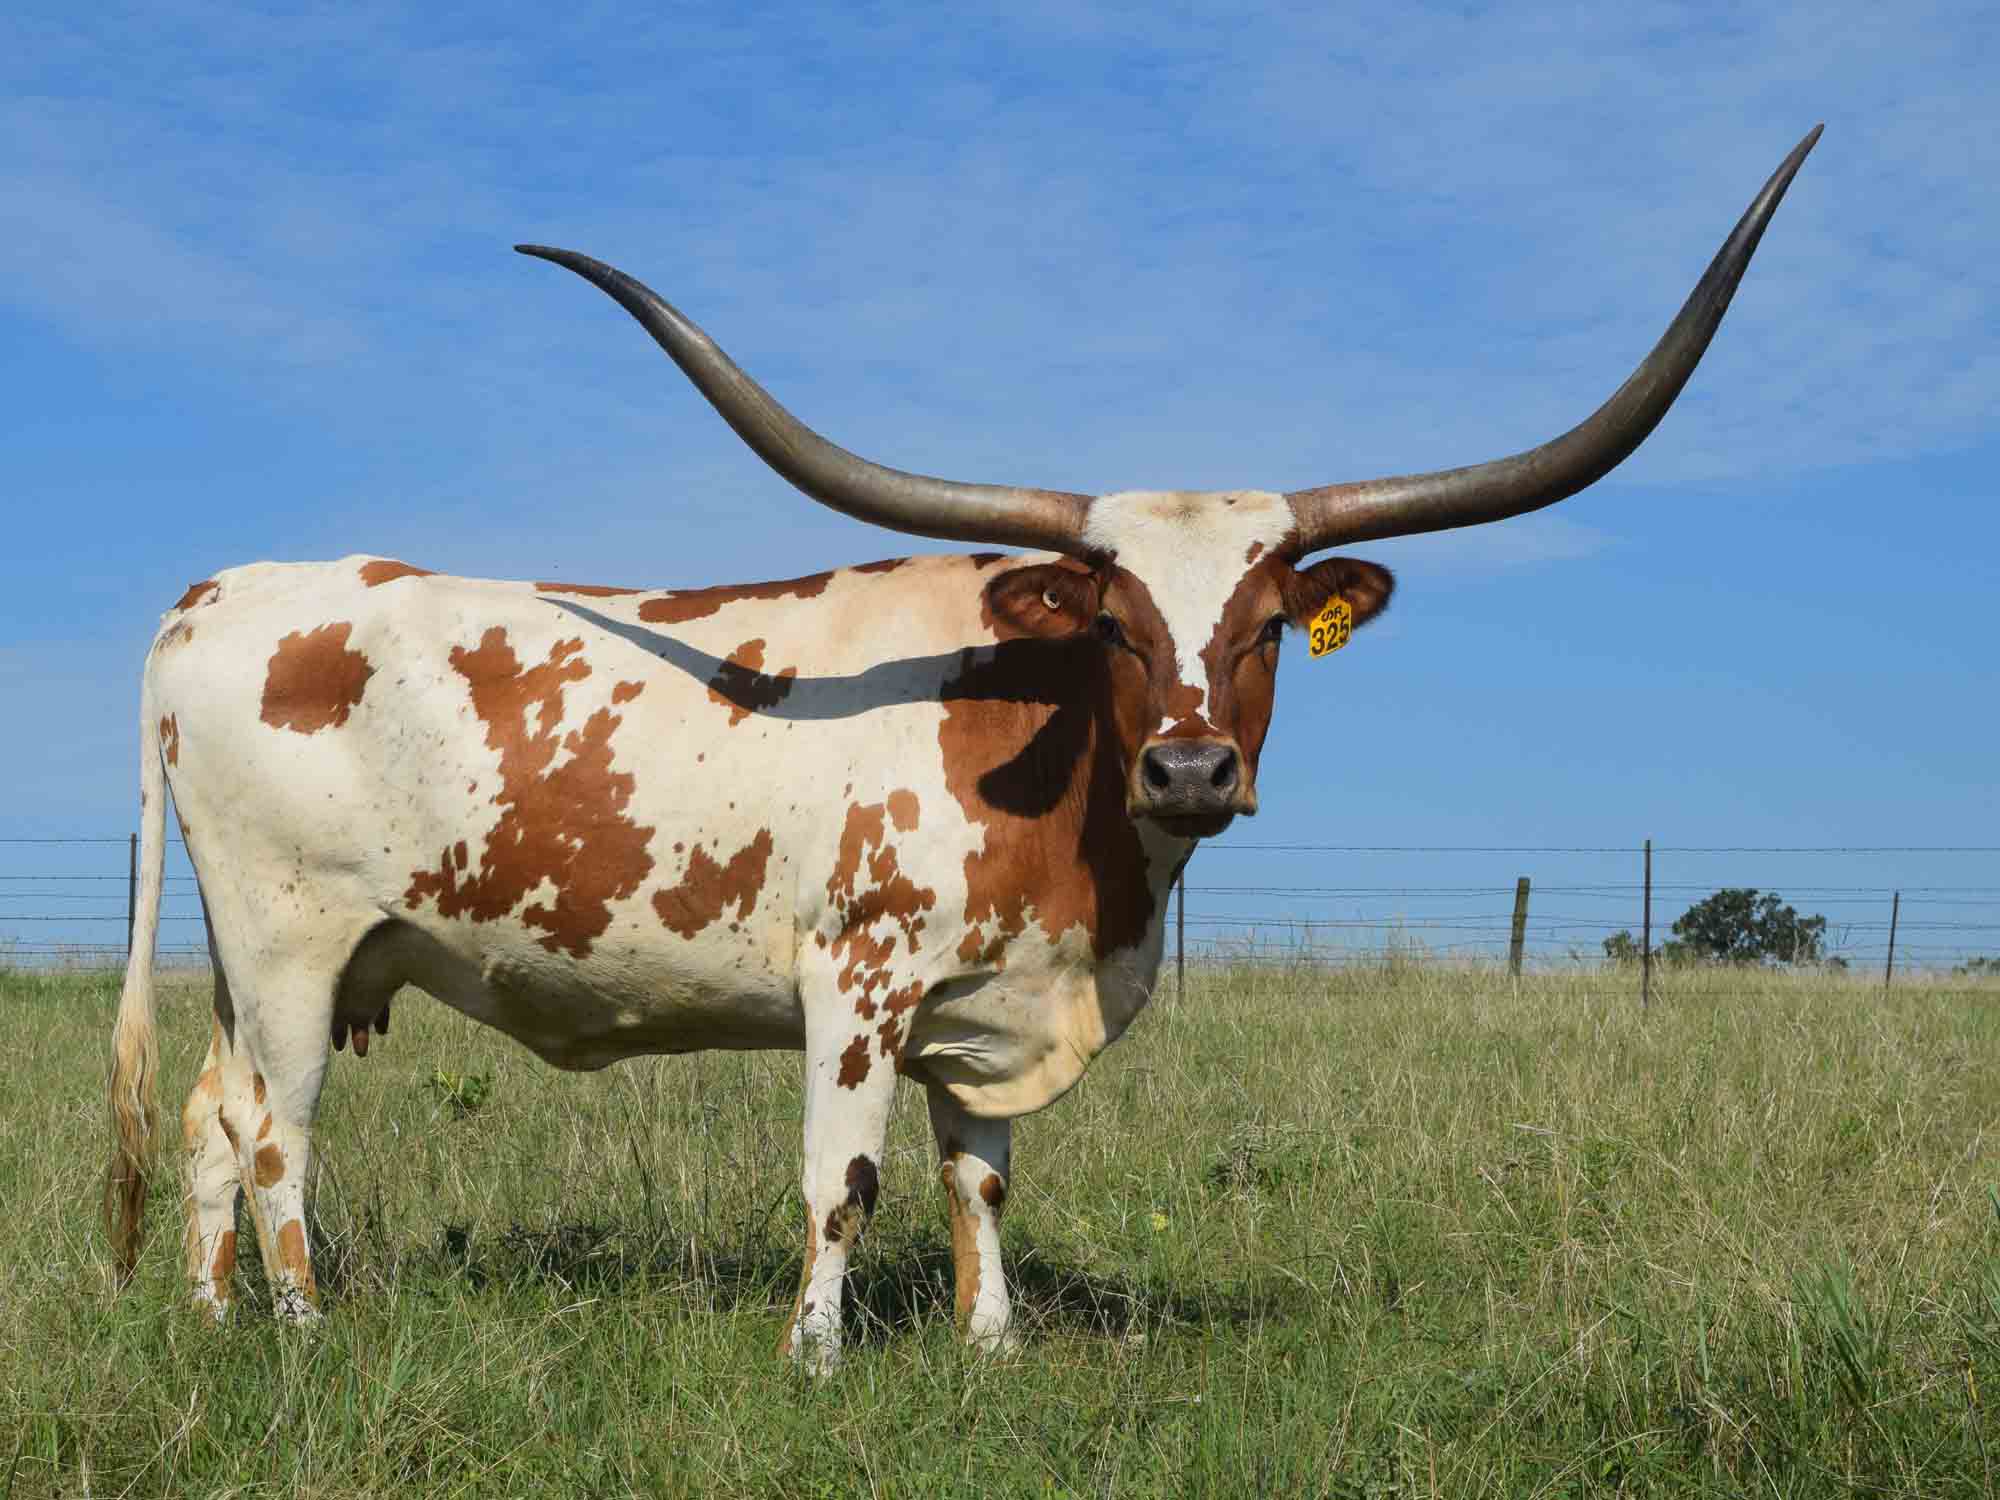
point(1366, 511)
point(999, 514)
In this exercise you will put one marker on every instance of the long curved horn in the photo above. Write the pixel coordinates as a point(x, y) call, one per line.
point(1000, 514)
point(1374, 508)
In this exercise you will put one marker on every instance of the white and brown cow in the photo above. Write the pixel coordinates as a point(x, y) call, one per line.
point(915, 818)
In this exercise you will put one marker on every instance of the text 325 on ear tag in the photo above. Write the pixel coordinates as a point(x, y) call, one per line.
point(1331, 627)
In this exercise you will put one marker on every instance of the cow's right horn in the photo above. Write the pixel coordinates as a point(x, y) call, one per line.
point(1338, 514)
point(998, 514)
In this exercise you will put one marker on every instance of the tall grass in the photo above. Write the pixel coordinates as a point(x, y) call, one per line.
point(1409, 1231)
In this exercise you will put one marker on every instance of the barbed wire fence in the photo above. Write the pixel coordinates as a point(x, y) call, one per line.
point(69, 900)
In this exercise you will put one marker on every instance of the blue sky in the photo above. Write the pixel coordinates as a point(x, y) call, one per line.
point(257, 301)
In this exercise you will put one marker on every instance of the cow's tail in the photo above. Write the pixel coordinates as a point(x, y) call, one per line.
point(135, 1048)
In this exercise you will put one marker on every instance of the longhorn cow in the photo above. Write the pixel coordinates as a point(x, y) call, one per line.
point(918, 817)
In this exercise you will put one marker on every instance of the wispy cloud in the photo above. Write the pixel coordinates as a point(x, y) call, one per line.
point(1076, 241)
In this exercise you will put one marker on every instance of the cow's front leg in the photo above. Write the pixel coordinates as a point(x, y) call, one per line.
point(972, 1164)
point(847, 1120)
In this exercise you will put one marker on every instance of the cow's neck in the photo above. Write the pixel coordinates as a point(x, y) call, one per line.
point(1030, 755)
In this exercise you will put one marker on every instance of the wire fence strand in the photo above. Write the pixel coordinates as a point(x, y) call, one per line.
point(60, 894)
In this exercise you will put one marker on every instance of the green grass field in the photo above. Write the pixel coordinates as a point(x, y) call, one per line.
point(1413, 1231)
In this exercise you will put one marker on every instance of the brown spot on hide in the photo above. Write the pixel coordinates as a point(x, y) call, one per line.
point(993, 1192)
point(292, 1256)
point(229, 1133)
point(964, 1246)
point(743, 689)
point(177, 634)
point(854, 1063)
point(889, 892)
point(903, 809)
point(223, 1266)
point(853, 1213)
point(625, 692)
point(844, 1222)
point(886, 565)
point(387, 570)
point(460, 854)
point(682, 605)
point(257, 1089)
point(864, 1183)
point(170, 739)
point(269, 1166)
point(313, 681)
point(199, 594)
point(706, 887)
point(1256, 551)
point(861, 907)
point(891, 1032)
point(565, 824)
point(264, 1128)
point(1031, 757)
point(586, 590)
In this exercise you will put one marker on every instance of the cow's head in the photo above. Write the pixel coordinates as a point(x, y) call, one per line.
point(1186, 595)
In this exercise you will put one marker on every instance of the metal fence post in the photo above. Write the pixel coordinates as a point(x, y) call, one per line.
point(1180, 934)
point(131, 890)
point(1646, 938)
point(1519, 938)
point(1889, 968)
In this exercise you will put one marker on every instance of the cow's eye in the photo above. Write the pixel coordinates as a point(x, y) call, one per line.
point(1274, 631)
point(1110, 631)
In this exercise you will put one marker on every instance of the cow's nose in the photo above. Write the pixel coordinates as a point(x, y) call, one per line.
point(1193, 773)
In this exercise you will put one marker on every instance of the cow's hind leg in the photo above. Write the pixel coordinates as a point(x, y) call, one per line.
point(973, 1162)
point(215, 1181)
point(269, 1081)
point(276, 1155)
point(846, 1123)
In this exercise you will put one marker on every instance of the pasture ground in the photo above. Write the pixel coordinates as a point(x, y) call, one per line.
point(1406, 1232)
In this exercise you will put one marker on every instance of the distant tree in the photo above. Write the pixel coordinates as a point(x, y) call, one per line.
point(1622, 947)
point(1977, 968)
point(1739, 925)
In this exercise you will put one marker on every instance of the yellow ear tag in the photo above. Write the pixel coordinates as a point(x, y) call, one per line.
point(1331, 627)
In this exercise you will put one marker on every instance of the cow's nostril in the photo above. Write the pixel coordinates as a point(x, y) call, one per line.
point(1223, 777)
point(1158, 777)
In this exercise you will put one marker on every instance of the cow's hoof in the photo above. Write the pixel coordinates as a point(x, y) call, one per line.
point(995, 1343)
point(816, 1358)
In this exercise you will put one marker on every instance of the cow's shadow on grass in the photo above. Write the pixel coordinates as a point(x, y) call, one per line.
point(901, 1284)
point(1052, 1294)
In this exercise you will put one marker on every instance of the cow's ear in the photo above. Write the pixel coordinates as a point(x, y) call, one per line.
point(1366, 587)
point(1048, 601)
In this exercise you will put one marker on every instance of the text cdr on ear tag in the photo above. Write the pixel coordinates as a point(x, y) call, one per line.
point(1331, 627)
